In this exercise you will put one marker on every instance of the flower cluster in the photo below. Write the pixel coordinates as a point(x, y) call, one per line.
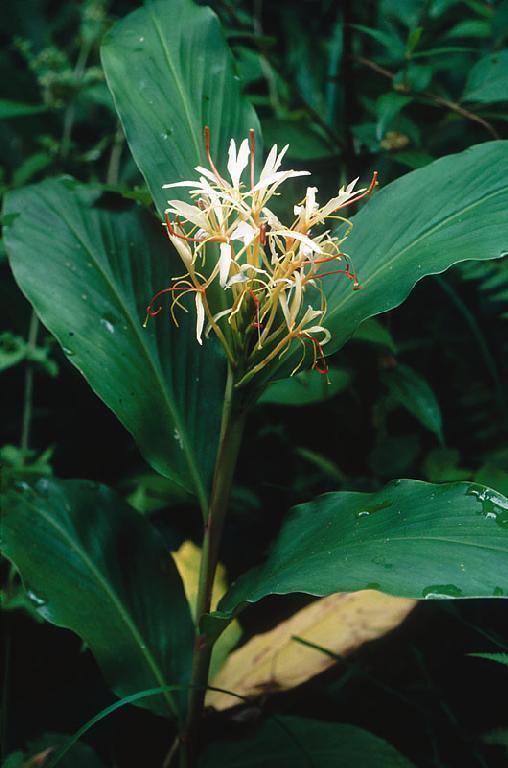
point(268, 273)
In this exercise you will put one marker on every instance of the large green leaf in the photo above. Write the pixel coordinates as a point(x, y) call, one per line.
point(412, 539)
point(171, 73)
point(452, 210)
point(90, 272)
point(414, 393)
point(294, 742)
point(92, 564)
point(487, 82)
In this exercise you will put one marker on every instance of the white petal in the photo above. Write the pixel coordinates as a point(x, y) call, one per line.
point(183, 249)
point(290, 234)
point(310, 201)
point(269, 166)
point(200, 317)
point(341, 200)
point(243, 232)
point(196, 184)
point(238, 163)
point(224, 263)
point(319, 329)
point(209, 174)
point(190, 212)
point(278, 178)
point(283, 304)
point(297, 298)
point(239, 278)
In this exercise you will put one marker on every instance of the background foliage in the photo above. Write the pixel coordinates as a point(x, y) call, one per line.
point(420, 392)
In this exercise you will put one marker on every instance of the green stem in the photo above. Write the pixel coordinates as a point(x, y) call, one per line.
point(229, 445)
point(28, 388)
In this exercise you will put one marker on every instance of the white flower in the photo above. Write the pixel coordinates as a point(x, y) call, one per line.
point(272, 273)
point(243, 232)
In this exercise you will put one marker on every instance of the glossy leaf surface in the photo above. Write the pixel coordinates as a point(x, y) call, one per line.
point(412, 539)
point(90, 265)
point(415, 394)
point(306, 388)
point(171, 73)
point(487, 82)
point(291, 742)
point(92, 564)
point(452, 210)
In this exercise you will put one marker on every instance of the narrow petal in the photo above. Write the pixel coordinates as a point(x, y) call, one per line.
point(224, 263)
point(183, 250)
point(190, 212)
point(289, 234)
point(278, 178)
point(239, 278)
point(209, 174)
point(238, 162)
point(200, 317)
point(269, 166)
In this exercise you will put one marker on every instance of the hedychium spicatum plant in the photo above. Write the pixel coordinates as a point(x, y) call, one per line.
point(270, 272)
point(243, 294)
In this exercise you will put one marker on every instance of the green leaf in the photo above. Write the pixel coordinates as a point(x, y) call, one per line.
point(452, 210)
point(133, 698)
point(90, 271)
point(306, 388)
point(291, 742)
point(171, 73)
point(414, 393)
point(487, 82)
point(305, 141)
point(373, 331)
point(499, 658)
point(10, 109)
point(388, 107)
point(389, 40)
point(411, 539)
point(90, 563)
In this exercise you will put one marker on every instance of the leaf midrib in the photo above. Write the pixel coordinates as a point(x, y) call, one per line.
point(176, 79)
point(114, 599)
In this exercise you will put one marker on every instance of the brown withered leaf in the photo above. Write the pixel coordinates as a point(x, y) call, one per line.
point(275, 661)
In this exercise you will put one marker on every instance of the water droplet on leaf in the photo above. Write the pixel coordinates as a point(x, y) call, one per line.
point(441, 592)
point(36, 599)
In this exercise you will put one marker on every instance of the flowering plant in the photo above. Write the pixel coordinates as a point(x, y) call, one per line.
point(270, 272)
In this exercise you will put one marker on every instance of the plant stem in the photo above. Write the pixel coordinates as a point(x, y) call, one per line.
point(28, 388)
point(229, 445)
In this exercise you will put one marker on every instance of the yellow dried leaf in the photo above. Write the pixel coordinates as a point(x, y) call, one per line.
point(187, 560)
point(275, 661)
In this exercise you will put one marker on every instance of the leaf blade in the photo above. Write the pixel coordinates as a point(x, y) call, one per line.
point(186, 81)
point(412, 539)
point(89, 272)
point(87, 532)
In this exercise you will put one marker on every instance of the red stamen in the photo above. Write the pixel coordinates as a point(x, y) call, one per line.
point(252, 145)
point(262, 234)
point(206, 134)
point(154, 312)
point(322, 367)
